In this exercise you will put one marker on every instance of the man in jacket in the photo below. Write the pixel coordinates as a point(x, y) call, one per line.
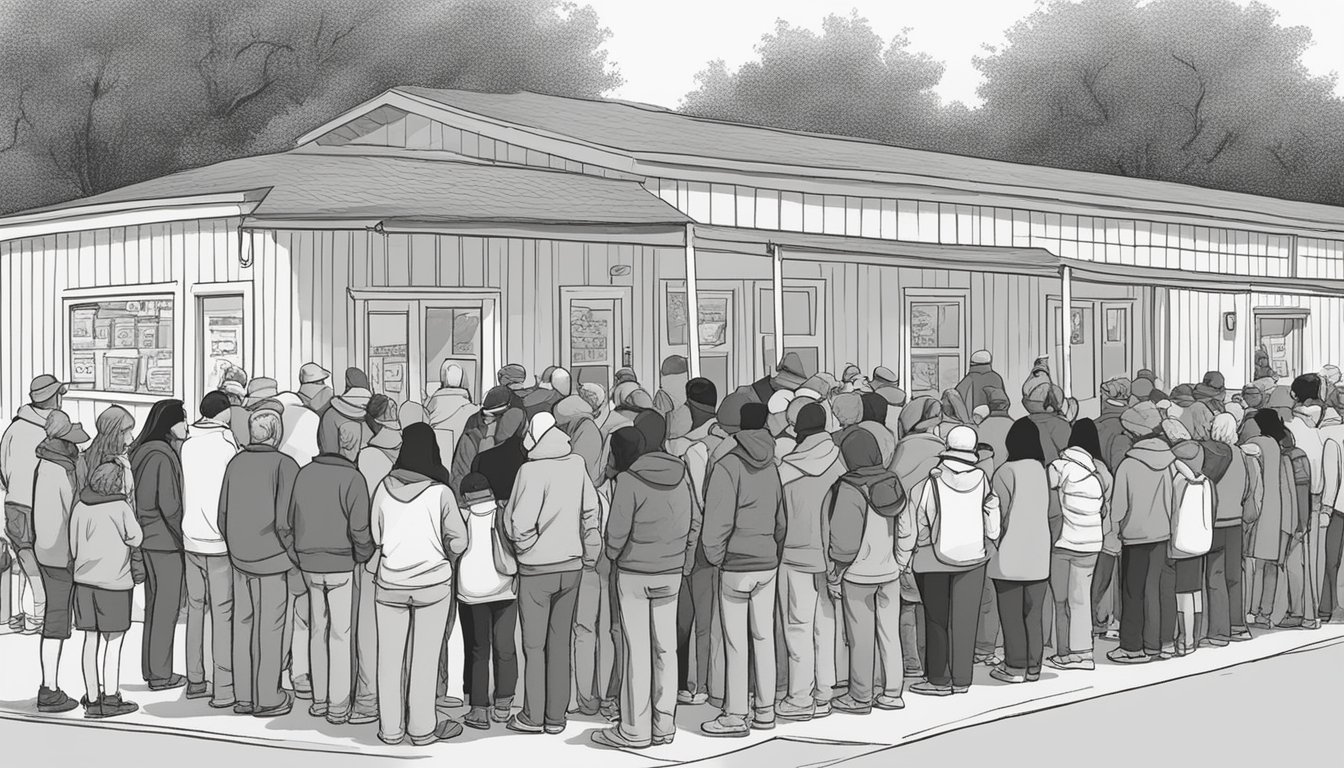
point(350, 405)
point(1304, 422)
point(254, 499)
point(1332, 510)
point(18, 465)
point(1115, 441)
point(887, 384)
point(744, 536)
point(301, 424)
point(327, 547)
point(675, 374)
point(575, 418)
point(479, 426)
point(206, 454)
point(552, 520)
point(808, 613)
point(314, 390)
point(449, 408)
point(979, 378)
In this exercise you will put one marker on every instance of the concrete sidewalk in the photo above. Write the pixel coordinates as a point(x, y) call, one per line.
point(814, 743)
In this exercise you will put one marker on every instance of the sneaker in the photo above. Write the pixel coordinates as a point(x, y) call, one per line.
point(786, 711)
point(31, 628)
point(54, 700)
point(448, 702)
point(762, 720)
point(279, 710)
point(445, 730)
point(1290, 622)
point(989, 659)
point(1241, 636)
point(1259, 622)
point(847, 705)
point(1112, 634)
point(92, 709)
point(317, 709)
point(168, 684)
point(583, 711)
point(1311, 623)
point(1003, 675)
point(303, 687)
point(16, 622)
point(115, 706)
point(726, 726)
point(501, 712)
point(335, 719)
point(1033, 675)
point(518, 725)
point(362, 718)
point(389, 741)
point(197, 690)
point(611, 737)
point(478, 718)
point(662, 741)
point(914, 674)
point(1128, 657)
point(243, 708)
point(222, 703)
point(692, 699)
point(610, 711)
point(889, 703)
point(821, 709)
point(929, 689)
point(960, 689)
point(551, 729)
point(1213, 642)
point(1071, 662)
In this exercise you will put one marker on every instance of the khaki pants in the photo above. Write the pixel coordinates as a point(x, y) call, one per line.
point(330, 605)
point(210, 600)
point(648, 616)
point(807, 615)
point(365, 644)
point(747, 608)
point(411, 623)
point(873, 623)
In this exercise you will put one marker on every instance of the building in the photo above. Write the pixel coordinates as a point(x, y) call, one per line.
point(426, 225)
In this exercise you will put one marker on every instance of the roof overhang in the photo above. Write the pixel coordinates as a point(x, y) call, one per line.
point(667, 235)
point(130, 213)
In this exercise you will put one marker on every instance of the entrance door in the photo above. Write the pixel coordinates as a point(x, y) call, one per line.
point(1113, 336)
point(1099, 338)
point(1279, 334)
point(405, 342)
point(594, 340)
point(804, 333)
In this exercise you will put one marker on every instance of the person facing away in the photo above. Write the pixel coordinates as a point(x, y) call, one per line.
point(979, 379)
point(650, 540)
point(502, 460)
point(1044, 404)
point(301, 425)
point(574, 416)
point(314, 390)
point(917, 446)
point(1274, 526)
point(376, 457)
point(104, 534)
point(254, 499)
point(869, 542)
point(419, 530)
point(1192, 514)
point(744, 532)
point(1332, 505)
point(693, 420)
point(993, 431)
point(552, 521)
point(1236, 487)
point(158, 507)
point(1111, 434)
point(789, 374)
point(479, 426)
point(674, 374)
point(449, 408)
point(206, 454)
point(350, 405)
point(114, 434)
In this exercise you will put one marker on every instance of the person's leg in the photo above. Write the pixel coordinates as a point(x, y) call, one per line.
point(685, 625)
point(219, 596)
point(1011, 619)
point(110, 652)
point(1133, 582)
point(274, 594)
point(1269, 588)
point(429, 623)
point(149, 666)
point(534, 611)
point(1150, 594)
point(1334, 550)
point(1034, 597)
point(393, 614)
point(585, 642)
point(823, 641)
point(319, 619)
point(887, 626)
point(197, 599)
point(504, 623)
point(295, 640)
point(340, 608)
point(563, 606)
point(662, 638)
point(705, 596)
point(718, 650)
point(935, 591)
point(1061, 564)
point(1166, 607)
point(761, 624)
point(797, 613)
point(1294, 567)
point(1235, 585)
point(90, 664)
point(860, 618)
point(611, 647)
point(161, 622)
point(32, 576)
point(366, 644)
point(637, 683)
point(733, 597)
point(1078, 598)
point(1219, 614)
point(910, 638)
point(476, 623)
point(1101, 592)
point(963, 616)
point(243, 620)
point(987, 634)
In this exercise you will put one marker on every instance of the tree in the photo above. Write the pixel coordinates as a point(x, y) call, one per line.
point(94, 96)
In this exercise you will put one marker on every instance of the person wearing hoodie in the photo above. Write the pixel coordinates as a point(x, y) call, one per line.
point(1115, 441)
point(1304, 423)
point(501, 461)
point(743, 534)
point(788, 375)
point(350, 405)
point(651, 539)
point(777, 423)
point(1146, 386)
point(479, 427)
point(1141, 512)
point(1044, 405)
point(847, 408)
point(955, 412)
point(206, 454)
point(1332, 512)
point(675, 375)
point(1276, 523)
point(869, 540)
point(158, 507)
point(314, 391)
point(1301, 608)
point(376, 458)
point(1192, 532)
point(887, 384)
point(449, 408)
point(552, 519)
point(1235, 486)
point(993, 431)
point(419, 531)
point(326, 533)
point(979, 379)
point(58, 479)
point(957, 516)
point(574, 417)
point(18, 465)
point(807, 611)
point(254, 499)
point(917, 446)
point(875, 422)
point(694, 418)
point(1040, 374)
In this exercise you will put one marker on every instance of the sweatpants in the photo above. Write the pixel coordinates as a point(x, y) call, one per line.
point(696, 607)
point(952, 613)
point(648, 616)
point(1020, 606)
point(1334, 552)
point(1146, 576)
point(807, 620)
point(259, 613)
point(913, 639)
point(210, 589)
point(873, 624)
point(164, 580)
point(546, 608)
point(488, 635)
point(411, 623)
point(747, 605)
point(1223, 614)
point(1071, 584)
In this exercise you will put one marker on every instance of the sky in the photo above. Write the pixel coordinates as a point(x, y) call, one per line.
point(660, 45)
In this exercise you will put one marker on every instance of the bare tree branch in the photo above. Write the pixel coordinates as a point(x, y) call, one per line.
point(1197, 120)
point(20, 119)
point(1091, 78)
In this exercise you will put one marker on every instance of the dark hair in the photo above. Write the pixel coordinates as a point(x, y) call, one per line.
point(1271, 426)
point(703, 392)
point(627, 445)
point(1084, 435)
point(1307, 387)
point(1024, 441)
point(754, 416)
point(654, 428)
point(874, 407)
point(214, 403)
point(475, 482)
point(163, 416)
point(420, 453)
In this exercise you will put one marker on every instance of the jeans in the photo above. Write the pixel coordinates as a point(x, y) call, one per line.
point(1071, 583)
point(488, 634)
point(1334, 552)
point(411, 623)
point(951, 611)
point(807, 618)
point(296, 627)
point(873, 623)
point(1147, 622)
point(259, 618)
point(164, 574)
point(547, 605)
point(441, 684)
point(1020, 607)
point(1105, 597)
point(210, 587)
point(987, 635)
point(913, 638)
point(595, 653)
point(695, 610)
point(648, 615)
point(1223, 611)
point(331, 598)
point(747, 607)
point(364, 638)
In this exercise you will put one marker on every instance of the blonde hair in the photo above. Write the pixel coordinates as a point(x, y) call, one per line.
point(108, 479)
point(1224, 429)
point(264, 428)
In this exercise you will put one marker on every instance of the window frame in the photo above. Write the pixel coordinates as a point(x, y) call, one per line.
point(816, 339)
point(912, 296)
point(77, 297)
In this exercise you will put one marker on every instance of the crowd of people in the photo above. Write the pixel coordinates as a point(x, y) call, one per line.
point(801, 546)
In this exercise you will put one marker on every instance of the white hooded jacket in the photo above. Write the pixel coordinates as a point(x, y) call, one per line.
point(206, 454)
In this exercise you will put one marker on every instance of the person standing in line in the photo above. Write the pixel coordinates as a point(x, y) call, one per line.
point(18, 465)
point(377, 456)
point(449, 408)
point(1082, 483)
point(575, 416)
point(158, 507)
point(1301, 609)
point(206, 454)
point(744, 534)
point(870, 541)
point(651, 539)
point(327, 547)
point(488, 605)
point(103, 535)
point(314, 390)
point(1235, 487)
point(552, 519)
point(1332, 508)
point(478, 429)
point(59, 477)
point(979, 379)
point(1192, 514)
point(253, 501)
point(350, 405)
point(1305, 422)
point(1274, 526)
point(114, 434)
point(675, 375)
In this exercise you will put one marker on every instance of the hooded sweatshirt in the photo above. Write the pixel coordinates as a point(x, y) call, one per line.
point(965, 492)
point(1305, 426)
point(316, 396)
point(206, 454)
point(575, 417)
point(1332, 462)
point(979, 378)
point(553, 516)
point(158, 495)
point(60, 473)
point(416, 523)
point(744, 510)
point(447, 411)
point(253, 502)
point(1225, 466)
point(993, 431)
point(18, 454)
point(1084, 487)
point(916, 455)
point(654, 524)
point(500, 464)
point(1277, 505)
point(1054, 433)
point(376, 459)
point(479, 578)
point(1114, 440)
point(327, 528)
point(1141, 501)
point(869, 533)
point(300, 425)
point(673, 393)
point(1023, 551)
point(103, 531)
point(807, 474)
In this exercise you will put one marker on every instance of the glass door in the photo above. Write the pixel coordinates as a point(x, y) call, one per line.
point(936, 326)
point(1280, 336)
point(803, 330)
point(389, 336)
point(595, 336)
point(461, 333)
point(407, 341)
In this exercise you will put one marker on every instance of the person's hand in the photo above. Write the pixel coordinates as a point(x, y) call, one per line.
point(138, 569)
point(1325, 518)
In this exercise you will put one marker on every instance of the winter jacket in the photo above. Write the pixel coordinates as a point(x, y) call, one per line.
point(672, 395)
point(1277, 506)
point(417, 526)
point(870, 535)
point(375, 460)
point(1332, 463)
point(60, 475)
point(500, 464)
point(539, 400)
point(18, 454)
point(993, 431)
point(575, 417)
point(807, 474)
point(329, 431)
point(679, 446)
point(1023, 551)
point(1115, 441)
point(979, 378)
point(238, 416)
point(476, 428)
point(158, 496)
point(744, 511)
point(1305, 426)
point(479, 579)
point(965, 490)
point(553, 516)
point(327, 527)
point(254, 501)
point(447, 411)
point(1225, 466)
point(206, 453)
point(300, 425)
point(916, 455)
point(103, 531)
point(654, 524)
point(316, 396)
point(1083, 485)
point(1054, 433)
point(704, 452)
point(1141, 501)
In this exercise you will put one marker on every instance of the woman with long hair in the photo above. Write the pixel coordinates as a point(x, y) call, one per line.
point(112, 442)
point(157, 472)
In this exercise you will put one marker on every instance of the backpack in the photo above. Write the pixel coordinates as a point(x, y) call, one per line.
point(1191, 517)
point(957, 542)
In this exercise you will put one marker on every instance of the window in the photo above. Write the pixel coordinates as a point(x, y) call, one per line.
point(803, 327)
point(222, 338)
point(1279, 335)
point(122, 345)
point(389, 333)
point(936, 335)
point(453, 334)
point(714, 313)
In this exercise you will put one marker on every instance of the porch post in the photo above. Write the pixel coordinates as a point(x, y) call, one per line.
point(1066, 331)
point(692, 305)
point(777, 286)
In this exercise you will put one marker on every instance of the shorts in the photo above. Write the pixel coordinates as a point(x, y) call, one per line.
point(59, 584)
point(1189, 574)
point(19, 526)
point(102, 610)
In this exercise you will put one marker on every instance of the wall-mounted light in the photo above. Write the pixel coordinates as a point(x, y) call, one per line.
point(620, 270)
point(1229, 321)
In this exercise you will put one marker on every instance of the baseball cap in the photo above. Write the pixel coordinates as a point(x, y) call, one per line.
point(45, 387)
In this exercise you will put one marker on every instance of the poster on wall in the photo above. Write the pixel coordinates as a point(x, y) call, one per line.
point(121, 374)
point(81, 328)
point(83, 369)
point(713, 320)
point(589, 336)
point(1076, 327)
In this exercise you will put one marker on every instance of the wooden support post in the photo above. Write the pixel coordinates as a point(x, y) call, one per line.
point(692, 305)
point(1066, 331)
point(777, 287)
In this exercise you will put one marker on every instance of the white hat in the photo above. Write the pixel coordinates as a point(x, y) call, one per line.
point(541, 424)
point(779, 402)
point(961, 441)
